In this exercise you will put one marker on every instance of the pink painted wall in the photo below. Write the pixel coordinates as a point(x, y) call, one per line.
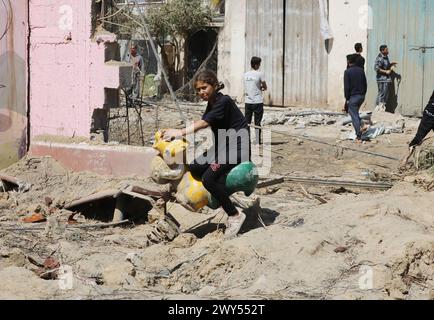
point(67, 69)
point(13, 81)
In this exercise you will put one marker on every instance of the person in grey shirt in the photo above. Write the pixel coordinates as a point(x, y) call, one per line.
point(138, 71)
point(254, 102)
point(384, 69)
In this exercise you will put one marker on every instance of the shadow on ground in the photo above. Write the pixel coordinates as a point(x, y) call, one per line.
point(252, 222)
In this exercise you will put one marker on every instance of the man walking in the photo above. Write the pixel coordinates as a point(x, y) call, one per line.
point(425, 126)
point(384, 69)
point(355, 86)
point(254, 102)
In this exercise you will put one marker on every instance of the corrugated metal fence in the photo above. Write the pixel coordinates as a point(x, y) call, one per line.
point(286, 35)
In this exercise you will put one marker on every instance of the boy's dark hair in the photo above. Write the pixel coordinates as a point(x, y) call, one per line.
point(352, 58)
point(210, 78)
point(382, 47)
point(358, 47)
point(256, 61)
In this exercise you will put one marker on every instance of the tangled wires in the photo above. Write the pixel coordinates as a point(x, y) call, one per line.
point(8, 8)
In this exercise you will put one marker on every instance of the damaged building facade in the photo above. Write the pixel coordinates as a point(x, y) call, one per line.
point(58, 75)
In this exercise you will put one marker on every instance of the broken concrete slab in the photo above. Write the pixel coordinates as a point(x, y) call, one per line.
point(159, 191)
point(186, 218)
point(123, 203)
point(112, 193)
point(8, 183)
point(100, 159)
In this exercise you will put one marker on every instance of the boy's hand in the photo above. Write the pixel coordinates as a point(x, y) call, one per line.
point(171, 134)
point(404, 161)
point(345, 108)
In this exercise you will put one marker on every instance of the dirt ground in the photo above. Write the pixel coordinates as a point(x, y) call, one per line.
point(314, 241)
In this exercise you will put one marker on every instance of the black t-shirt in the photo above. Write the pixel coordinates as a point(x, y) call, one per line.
point(225, 118)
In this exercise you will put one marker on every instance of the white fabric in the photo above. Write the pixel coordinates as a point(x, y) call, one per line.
point(326, 30)
point(252, 81)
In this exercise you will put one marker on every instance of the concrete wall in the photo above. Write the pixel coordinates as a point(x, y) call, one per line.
point(349, 22)
point(232, 49)
point(68, 73)
point(13, 81)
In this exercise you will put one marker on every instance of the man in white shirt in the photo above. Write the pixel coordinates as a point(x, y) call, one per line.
point(254, 102)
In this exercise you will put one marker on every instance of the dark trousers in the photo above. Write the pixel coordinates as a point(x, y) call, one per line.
point(258, 110)
point(354, 105)
point(425, 126)
point(213, 177)
point(383, 92)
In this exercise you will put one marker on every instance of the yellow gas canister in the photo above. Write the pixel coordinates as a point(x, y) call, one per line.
point(175, 151)
point(172, 152)
point(160, 145)
point(191, 193)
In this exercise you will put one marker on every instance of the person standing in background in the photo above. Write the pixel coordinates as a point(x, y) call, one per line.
point(138, 71)
point(254, 102)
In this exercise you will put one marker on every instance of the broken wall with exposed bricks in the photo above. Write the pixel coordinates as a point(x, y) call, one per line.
point(69, 74)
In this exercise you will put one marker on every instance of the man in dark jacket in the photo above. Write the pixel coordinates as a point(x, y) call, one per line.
point(355, 86)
